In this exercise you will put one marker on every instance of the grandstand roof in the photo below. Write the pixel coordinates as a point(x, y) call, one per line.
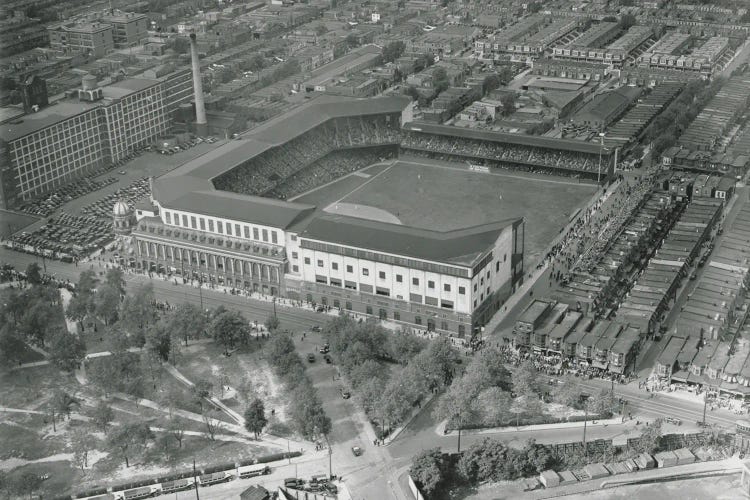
point(460, 247)
point(517, 139)
point(282, 129)
point(240, 207)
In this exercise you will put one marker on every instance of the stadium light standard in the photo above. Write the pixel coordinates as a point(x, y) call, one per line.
point(601, 146)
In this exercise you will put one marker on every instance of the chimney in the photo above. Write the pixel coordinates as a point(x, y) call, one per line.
point(200, 107)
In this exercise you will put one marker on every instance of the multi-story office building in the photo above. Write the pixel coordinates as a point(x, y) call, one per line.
point(88, 38)
point(45, 149)
point(128, 28)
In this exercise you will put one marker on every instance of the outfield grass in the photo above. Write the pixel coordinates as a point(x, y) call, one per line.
point(445, 198)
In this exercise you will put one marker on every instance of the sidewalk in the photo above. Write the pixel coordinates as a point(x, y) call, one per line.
point(440, 429)
point(393, 435)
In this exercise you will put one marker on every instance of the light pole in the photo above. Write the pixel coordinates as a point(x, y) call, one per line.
point(458, 448)
point(195, 482)
point(601, 146)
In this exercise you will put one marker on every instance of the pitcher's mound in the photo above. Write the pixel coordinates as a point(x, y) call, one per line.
point(362, 211)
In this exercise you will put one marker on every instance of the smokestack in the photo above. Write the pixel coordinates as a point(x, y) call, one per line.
point(200, 107)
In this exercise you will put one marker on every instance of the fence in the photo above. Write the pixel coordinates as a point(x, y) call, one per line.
point(414, 490)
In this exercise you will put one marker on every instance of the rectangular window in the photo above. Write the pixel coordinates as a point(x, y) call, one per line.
point(397, 315)
point(321, 279)
point(237, 230)
point(193, 222)
point(335, 266)
point(415, 297)
point(247, 232)
point(365, 288)
point(444, 325)
point(348, 306)
point(365, 272)
point(381, 275)
point(399, 278)
point(255, 234)
point(274, 237)
point(382, 291)
point(430, 284)
point(168, 217)
point(320, 263)
point(418, 320)
point(461, 290)
point(369, 309)
point(335, 282)
point(336, 303)
point(202, 223)
point(210, 225)
point(350, 285)
point(294, 237)
point(430, 301)
point(307, 260)
point(349, 269)
point(295, 268)
point(294, 255)
point(415, 281)
point(220, 227)
point(446, 287)
point(184, 220)
point(447, 304)
point(265, 235)
point(229, 229)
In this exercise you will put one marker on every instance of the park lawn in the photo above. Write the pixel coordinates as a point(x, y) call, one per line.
point(62, 477)
point(28, 355)
point(29, 388)
point(27, 440)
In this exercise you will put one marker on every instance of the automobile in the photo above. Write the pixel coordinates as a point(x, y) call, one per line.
point(324, 349)
point(694, 276)
point(702, 262)
point(316, 329)
point(121, 172)
point(673, 420)
point(345, 394)
point(328, 359)
point(293, 482)
point(311, 358)
point(357, 451)
point(320, 309)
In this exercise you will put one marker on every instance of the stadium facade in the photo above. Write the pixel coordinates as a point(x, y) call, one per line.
point(448, 282)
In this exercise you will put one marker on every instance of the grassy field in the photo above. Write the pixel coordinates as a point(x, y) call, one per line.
point(442, 196)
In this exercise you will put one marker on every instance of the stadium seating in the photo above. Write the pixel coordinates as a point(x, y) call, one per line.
point(285, 170)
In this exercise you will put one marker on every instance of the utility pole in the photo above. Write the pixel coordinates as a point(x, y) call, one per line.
point(585, 420)
point(200, 291)
point(274, 308)
point(705, 403)
point(195, 482)
point(458, 448)
point(601, 146)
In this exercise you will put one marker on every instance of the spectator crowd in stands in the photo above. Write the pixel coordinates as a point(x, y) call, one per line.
point(269, 171)
point(502, 155)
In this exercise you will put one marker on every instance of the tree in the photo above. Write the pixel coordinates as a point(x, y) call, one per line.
point(493, 405)
point(509, 103)
point(568, 393)
point(11, 344)
point(352, 40)
point(82, 442)
point(137, 312)
point(37, 321)
point(82, 305)
point(650, 440)
point(228, 328)
point(440, 79)
point(483, 461)
point(67, 350)
point(186, 321)
point(176, 428)
point(34, 274)
point(437, 362)
point(116, 279)
point(271, 323)
point(525, 379)
point(159, 340)
point(428, 470)
point(490, 83)
point(393, 50)
point(165, 443)
point(412, 92)
point(126, 439)
point(211, 422)
point(102, 415)
point(63, 403)
point(255, 417)
point(600, 404)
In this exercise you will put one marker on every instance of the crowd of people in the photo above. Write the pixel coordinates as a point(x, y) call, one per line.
point(45, 205)
point(130, 194)
point(332, 166)
point(66, 237)
point(270, 169)
point(501, 152)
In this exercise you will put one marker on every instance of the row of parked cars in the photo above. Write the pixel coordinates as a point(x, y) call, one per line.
point(187, 145)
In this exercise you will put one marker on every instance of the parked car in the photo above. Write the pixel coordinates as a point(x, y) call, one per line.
point(345, 394)
point(673, 420)
point(316, 329)
point(328, 359)
point(357, 451)
point(311, 358)
point(324, 349)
